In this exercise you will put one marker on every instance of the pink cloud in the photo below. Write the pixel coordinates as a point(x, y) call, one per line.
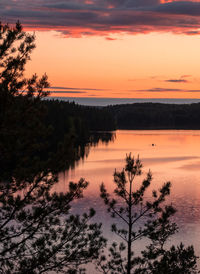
point(104, 17)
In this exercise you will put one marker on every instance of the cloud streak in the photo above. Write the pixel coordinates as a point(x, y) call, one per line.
point(104, 17)
point(176, 81)
point(72, 88)
point(67, 91)
point(167, 90)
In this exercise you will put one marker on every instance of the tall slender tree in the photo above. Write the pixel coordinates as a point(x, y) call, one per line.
point(37, 230)
point(141, 218)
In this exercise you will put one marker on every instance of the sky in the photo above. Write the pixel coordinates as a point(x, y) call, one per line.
point(113, 48)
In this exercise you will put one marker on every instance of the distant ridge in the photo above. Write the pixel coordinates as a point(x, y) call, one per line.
point(88, 101)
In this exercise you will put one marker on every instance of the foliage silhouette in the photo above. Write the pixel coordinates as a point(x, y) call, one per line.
point(156, 116)
point(61, 128)
point(141, 218)
point(21, 112)
point(38, 233)
point(75, 126)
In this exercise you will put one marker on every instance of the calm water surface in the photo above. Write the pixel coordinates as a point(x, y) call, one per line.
point(175, 157)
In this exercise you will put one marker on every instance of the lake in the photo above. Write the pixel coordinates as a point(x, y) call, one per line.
point(171, 155)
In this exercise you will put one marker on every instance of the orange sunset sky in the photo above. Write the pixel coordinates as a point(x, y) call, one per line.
point(113, 48)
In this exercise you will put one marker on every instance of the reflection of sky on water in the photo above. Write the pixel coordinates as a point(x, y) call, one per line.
point(175, 157)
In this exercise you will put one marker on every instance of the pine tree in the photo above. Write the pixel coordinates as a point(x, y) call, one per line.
point(142, 218)
point(37, 231)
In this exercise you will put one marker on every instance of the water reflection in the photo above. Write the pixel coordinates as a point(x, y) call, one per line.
point(105, 137)
point(175, 157)
point(82, 151)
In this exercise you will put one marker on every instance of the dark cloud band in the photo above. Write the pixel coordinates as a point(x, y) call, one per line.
point(176, 81)
point(102, 17)
point(167, 90)
point(74, 88)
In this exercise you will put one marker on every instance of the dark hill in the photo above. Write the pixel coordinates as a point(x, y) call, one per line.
point(156, 116)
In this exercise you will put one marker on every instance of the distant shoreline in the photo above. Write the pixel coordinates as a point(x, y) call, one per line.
point(88, 101)
point(136, 114)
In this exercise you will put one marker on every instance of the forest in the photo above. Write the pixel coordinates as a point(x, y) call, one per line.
point(156, 116)
point(82, 121)
point(126, 116)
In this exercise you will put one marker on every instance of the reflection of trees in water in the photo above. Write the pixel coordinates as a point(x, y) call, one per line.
point(82, 151)
point(102, 136)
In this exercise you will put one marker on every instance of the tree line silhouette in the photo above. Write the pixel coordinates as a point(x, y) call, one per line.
point(80, 122)
point(128, 116)
point(156, 116)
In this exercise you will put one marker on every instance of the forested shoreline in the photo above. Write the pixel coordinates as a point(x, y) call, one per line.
point(81, 120)
point(73, 128)
point(125, 116)
point(156, 116)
